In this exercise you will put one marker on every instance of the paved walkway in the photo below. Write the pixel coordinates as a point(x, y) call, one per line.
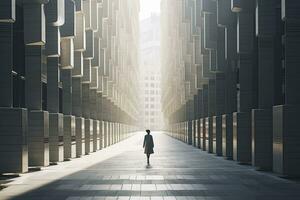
point(177, 171)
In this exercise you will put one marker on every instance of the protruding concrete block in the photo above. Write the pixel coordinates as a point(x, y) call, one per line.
point(97, 53)
point(94, 15)
point(217, 132)
point(13, 140)
point(80, 136)
point(8, 11)
point(202, 134)
point(87, 6)
point(80, 37)
point(94, 78)
point(56, 134)
point(227, 136)
point(209, 134)
point(87, 71)
point(68, 29)
point(78, 64)
point(236, 6)
point(67, 53)
point(105, 133)
point(101, 145)
point(34, 24)
point(96, 131)
point(52, 41)
point(189, 132)
point(242, 137)
point(69, 137)
point(55, 11)
point(79, 5)
point(262, 139)
point(88, 135)
point(38, 138)
point(286, 140)
point(89, 51)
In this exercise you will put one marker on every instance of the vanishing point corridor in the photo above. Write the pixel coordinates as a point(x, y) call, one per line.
point(216, 82)
point(177, 172)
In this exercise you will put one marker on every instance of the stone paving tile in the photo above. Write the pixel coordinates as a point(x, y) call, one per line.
point(177, 172)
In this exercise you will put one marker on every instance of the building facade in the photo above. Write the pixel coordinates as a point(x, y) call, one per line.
point(68, 78)
point(150, 70)
point(230, 71)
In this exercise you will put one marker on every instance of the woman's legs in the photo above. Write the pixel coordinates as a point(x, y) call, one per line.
point(148, 156)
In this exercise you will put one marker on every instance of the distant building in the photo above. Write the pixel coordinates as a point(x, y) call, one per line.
point(150, 72)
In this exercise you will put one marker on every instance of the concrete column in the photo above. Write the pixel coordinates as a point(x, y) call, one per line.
point(227, 19)
point(69, 119)
point(285, 124)
point(88, 124)
point(13, 121)
point(38, 120)
point(269, 62)
point(247, 91)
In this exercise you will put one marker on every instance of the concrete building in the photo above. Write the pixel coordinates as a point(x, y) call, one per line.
point(68, 77)
point(230, 72)
point(150, 72)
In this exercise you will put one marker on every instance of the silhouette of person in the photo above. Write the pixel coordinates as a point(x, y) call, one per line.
point(148, 145)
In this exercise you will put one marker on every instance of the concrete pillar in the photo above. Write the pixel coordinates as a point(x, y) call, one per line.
point(13, 121)
point(88, 125)
point(38, 120)
point(269, 63)
point(227, 19)
point(69, 119)
point(285, 124)
point(247, 92)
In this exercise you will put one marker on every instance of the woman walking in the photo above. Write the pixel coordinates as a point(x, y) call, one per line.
point(148, 145)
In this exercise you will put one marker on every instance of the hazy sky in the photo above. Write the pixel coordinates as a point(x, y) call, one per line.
point(149, 6)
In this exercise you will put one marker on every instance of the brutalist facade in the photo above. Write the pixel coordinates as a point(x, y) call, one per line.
point(68, 78)
point(231, 69)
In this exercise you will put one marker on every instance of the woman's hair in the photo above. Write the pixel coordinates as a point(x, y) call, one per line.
point(148, 131)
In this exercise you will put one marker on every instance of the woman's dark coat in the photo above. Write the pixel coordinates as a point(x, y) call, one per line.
point(148, 144)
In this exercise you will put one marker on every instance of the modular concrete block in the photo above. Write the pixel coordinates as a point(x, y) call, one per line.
point(202, 134)
point(67, 53)
point(227, 136)
point(96, 139)
point(56, 134)
point(34, 24)
point(209, 134)
point(13, 140)
point(8, 11)
point(286, 140)
point(38, 138)
point(80, 136)
point(217, 132)
point(80, 37)
point(69, 137)
point(88, 125)
point(262, 139)
point(242, 137)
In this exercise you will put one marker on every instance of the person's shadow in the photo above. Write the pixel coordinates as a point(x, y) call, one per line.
point(148, 166)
